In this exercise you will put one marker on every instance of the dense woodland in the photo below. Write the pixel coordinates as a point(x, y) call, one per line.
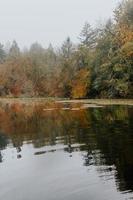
point(99, 66)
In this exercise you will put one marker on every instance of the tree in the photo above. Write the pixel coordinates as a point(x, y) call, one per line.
point(67, 48)
point(2, 54)
point(81, 84)
point(14, 51)
point(124, 22)
point(88, 36)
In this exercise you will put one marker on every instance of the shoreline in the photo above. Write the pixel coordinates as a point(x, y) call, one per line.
point(69, 101)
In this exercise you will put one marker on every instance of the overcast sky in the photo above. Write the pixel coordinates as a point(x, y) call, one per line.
point(47, 21)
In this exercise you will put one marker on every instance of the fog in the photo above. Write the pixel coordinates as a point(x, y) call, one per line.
point(48, 21)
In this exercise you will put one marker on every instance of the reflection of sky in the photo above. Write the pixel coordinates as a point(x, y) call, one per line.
point(49, 21)
point(73, 152)
point(53, 176)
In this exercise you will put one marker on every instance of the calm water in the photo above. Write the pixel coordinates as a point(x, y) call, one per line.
point(62, 154)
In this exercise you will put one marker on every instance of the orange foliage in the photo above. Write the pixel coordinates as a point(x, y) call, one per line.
point(80, 84)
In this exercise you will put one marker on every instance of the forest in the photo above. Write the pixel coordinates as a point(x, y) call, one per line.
point(99, 66)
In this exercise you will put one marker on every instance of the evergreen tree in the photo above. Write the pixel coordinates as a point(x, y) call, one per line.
point(2, 54)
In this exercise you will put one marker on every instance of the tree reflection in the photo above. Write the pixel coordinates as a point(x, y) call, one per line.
point(112, 130)
point(3, 143)
point(104, 135)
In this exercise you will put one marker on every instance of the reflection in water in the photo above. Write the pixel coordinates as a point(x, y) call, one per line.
point(102, 136)
point(3, 143)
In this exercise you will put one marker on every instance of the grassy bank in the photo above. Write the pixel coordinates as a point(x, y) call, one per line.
point(62, 101)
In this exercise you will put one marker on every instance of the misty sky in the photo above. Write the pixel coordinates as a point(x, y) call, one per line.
point(47, 21)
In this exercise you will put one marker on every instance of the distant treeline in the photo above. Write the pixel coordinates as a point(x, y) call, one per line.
point(100, 66)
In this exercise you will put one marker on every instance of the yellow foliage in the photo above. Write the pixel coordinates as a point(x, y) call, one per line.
point(127, 50)
point(124, 34)
point(80, 84)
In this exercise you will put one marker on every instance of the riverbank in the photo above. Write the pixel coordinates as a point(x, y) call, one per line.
point(99, 102)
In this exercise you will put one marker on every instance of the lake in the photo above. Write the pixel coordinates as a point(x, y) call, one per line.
point(66, 150)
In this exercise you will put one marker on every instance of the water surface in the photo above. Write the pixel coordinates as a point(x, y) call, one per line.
point(66, 151)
